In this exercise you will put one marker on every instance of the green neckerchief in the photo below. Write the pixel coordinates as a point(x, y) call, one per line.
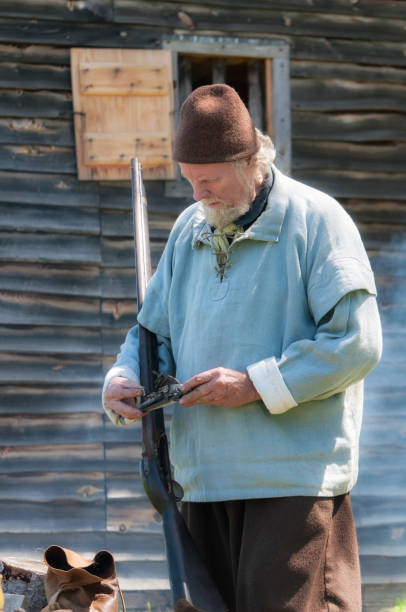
point(222, 239)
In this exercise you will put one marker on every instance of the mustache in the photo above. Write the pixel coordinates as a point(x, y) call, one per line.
point(208, 201)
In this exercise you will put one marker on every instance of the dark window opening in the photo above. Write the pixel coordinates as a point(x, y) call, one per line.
point(246, 75)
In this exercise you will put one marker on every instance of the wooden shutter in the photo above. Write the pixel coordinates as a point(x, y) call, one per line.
point(123, 105)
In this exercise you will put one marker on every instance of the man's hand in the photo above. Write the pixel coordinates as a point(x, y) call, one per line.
point(221, 387)
point(121, 396)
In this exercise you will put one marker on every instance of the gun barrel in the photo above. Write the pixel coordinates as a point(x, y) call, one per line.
point(191, 584)
point(141, 232)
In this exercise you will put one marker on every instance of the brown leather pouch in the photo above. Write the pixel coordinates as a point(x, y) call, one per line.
point(75, 584)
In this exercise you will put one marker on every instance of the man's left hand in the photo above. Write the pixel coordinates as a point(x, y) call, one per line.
point(221, 387)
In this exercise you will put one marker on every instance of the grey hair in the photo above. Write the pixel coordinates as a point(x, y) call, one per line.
point(264, 158)
point(266, 154)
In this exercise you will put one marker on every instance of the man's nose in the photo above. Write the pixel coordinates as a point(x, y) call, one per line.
point(199, 193)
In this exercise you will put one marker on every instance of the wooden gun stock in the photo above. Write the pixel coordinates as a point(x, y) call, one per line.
point(192, 586)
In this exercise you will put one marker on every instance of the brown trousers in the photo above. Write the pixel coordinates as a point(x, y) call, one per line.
point(290, 554)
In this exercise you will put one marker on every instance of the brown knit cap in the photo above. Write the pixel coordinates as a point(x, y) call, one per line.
point(214, 127)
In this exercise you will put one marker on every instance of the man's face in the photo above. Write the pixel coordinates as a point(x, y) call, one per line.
point(225, 190)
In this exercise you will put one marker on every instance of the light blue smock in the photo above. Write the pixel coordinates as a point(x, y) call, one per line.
point(300, 290)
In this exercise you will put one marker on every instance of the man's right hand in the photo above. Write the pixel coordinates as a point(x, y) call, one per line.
point(121, 396)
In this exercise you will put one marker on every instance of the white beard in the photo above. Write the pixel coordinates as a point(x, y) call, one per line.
point(220, 217)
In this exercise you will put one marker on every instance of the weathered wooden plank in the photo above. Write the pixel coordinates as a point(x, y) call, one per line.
point(144, 574)
point(128, 518)
point(375, 510)
point(386, 375)
point(376, 186)
point(163, 204)
point(379, 457)
point(34, 368)
point(131, 435)
point(99, 10)
point(336, 49)
point(336, 95)
point(123, 457)
point(347, 71)
point(63, 456)
point(384, 428)
point(44, 399)
point(119, 313)
point(34, 188)
point(251, 19)
point(102, 11)
point(384, 212)
point(355, 127)
point(58, 428)
point(390, 291)
point(20, 103)
point(393, 8)
point(120, 252)
point(392, 308)
point(37, 158)
point(381, 236)
point(130, 546)
point(54, 518)
point(35, 54)
point(47, 278)
point(393, 319)
point(108, 362)
point(112, 340)
point(389, 263)
point(126, 486)
point(377, 569)
point(33, 76)
point(48, 219)
point(41, 309)
point(48, 486)
point(349, 156)
point(379, 597)
point(123, 435)
point(389, 483)
point(118, 283)
point(155, 190)
point(64, 248)
point(53, 132)
point(388, 540)
point(151, 600)
point(390, 402)
point(119, 223)
point(28, 339)
point(125, 36)
point(66, 33)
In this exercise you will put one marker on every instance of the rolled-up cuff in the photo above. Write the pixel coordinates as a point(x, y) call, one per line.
point(269, 383)
point(125, 372)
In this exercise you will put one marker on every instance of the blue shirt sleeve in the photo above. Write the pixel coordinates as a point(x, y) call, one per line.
point(346, 346)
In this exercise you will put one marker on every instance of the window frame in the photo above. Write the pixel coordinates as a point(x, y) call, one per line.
point(212, 46)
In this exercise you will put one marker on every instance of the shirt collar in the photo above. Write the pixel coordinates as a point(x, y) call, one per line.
point(267, 227)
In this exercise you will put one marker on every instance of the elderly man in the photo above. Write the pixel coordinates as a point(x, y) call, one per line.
point(264, 307)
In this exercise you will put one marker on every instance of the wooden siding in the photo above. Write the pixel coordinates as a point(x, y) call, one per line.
point(67, 284)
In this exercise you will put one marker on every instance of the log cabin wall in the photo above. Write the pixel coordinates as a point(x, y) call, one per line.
point(67, 283)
